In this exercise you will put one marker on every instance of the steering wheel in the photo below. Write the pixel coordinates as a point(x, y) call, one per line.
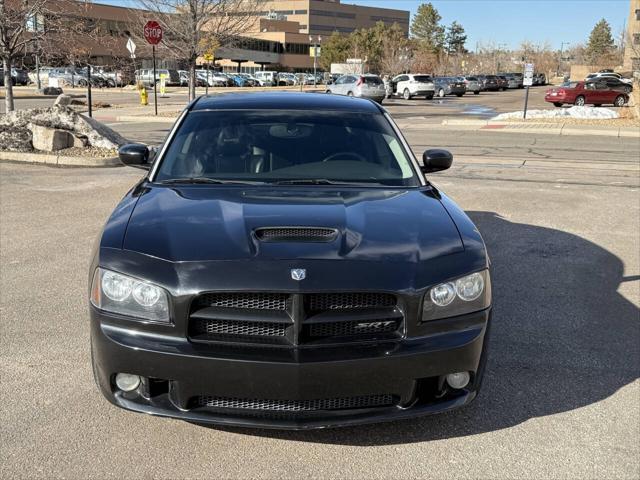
point(338, 155)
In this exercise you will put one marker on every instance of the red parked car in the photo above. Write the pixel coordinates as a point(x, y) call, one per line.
point(585, 93)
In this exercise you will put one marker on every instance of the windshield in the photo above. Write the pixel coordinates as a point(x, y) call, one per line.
point(276, 145)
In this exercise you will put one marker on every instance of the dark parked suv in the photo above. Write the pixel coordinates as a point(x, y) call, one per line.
point(284, 263)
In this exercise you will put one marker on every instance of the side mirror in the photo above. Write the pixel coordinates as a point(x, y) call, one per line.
point(135, 155)
point(435, 160)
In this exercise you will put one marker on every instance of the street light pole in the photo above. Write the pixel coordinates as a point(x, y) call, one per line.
point(562, 44)
point(315, 56)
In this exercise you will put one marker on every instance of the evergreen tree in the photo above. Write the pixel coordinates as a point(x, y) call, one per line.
point(455, 38)
point(600, 41)
point(426, 28)
point(335, 50)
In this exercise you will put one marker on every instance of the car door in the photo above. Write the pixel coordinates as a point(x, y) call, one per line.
point(602, 92)
point(606, 94)
point(403, 82)
point(350, 84)
point(339, 85)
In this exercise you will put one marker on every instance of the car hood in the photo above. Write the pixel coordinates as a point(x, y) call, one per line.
point(205, 223)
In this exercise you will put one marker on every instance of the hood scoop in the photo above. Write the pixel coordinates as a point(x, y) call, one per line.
point(296, 234)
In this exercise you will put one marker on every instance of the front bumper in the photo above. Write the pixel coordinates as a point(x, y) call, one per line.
point(176, 371)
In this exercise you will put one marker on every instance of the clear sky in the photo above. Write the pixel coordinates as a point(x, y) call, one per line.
point(512, 21)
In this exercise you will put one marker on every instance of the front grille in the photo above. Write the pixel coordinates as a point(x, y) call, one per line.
point(211, 328)
point(294, 319)
point(347, 301)
point(252, 301)
point(349, 328)
point(341, 403)
point(296, 234)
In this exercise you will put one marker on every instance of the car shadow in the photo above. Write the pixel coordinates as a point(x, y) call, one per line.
point(562, 338)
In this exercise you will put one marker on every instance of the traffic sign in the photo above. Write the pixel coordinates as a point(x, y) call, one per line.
point(527, 81)
point(131, 47)
point(208, 57)
point(153, 32)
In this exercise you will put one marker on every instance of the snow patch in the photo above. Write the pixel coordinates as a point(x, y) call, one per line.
point(585, 113)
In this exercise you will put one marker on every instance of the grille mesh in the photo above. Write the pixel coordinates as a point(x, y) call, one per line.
point(207, 327)
point(363, 401)
point(347, 301)
point(251, 301)
point(313, 234)
point(341, 329)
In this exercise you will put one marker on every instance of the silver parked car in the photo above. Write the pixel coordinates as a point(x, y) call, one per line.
point(472, 84)
point(365, 86)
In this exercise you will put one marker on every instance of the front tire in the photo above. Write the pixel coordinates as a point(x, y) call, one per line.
point(580, 101)
point(557, 104)
point(429, 97)
point(619, 101)
point(406, 94)
point(459, 94)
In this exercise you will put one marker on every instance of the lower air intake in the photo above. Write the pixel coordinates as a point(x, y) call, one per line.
point(343, 403)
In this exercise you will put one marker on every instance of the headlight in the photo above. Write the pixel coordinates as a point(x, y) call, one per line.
point(117, 293)
point(467, 294)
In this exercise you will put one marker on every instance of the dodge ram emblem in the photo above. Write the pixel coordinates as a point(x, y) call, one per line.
point(298, 273)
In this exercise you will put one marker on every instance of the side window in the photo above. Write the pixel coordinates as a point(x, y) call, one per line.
point(404, 78)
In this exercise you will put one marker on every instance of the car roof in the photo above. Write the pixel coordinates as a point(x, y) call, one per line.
point(284, 101)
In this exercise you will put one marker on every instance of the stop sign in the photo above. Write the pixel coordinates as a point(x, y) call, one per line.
point(153, 32)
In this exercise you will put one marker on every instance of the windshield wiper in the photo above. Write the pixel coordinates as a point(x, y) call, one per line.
point(214, 181)
point(310, 181)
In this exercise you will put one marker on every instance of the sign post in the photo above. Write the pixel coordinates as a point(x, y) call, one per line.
point(153, 35)
point(131, 46)
point(527, 81)
point(208, 57)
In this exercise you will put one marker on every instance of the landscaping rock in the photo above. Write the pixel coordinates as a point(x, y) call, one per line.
point(80, 141)
point(52, 91)
point(14, 139)
point(63, 100)
point(93, 133)
point(50, 139)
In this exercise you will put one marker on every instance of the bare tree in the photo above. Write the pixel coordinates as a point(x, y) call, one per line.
point(17, 32)
point(396, 54)
point(191, 27)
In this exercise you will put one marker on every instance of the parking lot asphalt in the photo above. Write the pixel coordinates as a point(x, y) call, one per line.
point(561, 219)
point(484, 105)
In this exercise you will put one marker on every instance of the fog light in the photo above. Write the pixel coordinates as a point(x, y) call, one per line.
point(458, 380)
point(127, 382)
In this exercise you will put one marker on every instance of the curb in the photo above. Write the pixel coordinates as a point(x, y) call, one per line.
point(543, 128)
point(58, 160)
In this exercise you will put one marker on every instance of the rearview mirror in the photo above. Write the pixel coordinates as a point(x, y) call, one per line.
point(435, 160)
point(135, 155)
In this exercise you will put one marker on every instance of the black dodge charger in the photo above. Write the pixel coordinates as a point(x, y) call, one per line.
point(284, 263)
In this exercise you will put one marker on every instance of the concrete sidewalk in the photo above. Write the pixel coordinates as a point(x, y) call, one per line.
point(556, 128)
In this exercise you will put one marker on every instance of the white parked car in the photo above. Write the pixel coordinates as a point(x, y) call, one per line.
point(267, 78)
point(412, 85)
point(593, 76)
